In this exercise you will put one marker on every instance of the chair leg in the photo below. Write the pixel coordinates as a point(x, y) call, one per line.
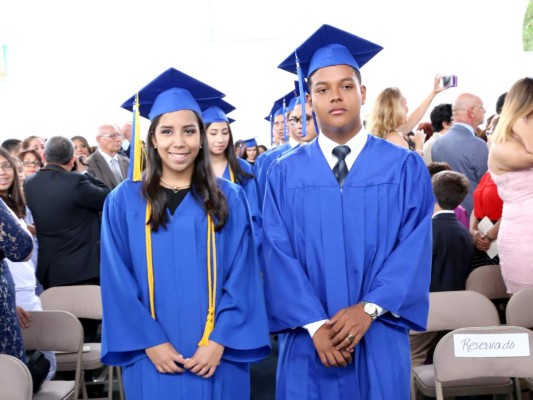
point(119, 380)
point(83, 390)
point(110, 382)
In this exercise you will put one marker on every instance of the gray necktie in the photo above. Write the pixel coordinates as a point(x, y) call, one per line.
point(340, 170)
point(115, 168)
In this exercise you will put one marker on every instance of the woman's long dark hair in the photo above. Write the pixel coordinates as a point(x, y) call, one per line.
point(203, 183)
point(15, 197)
point(239, 174)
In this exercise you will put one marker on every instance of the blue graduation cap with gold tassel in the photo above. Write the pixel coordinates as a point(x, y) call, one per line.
point(170, 91)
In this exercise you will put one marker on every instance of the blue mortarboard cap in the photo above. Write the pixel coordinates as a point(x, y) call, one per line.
point(250, 142)
point(218, 113)
point(330, 46)
point(173, 91)
point(291, 104)
point(281, 105)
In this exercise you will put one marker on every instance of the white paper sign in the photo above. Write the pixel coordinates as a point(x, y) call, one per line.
point(491, 345)
point(484, 225)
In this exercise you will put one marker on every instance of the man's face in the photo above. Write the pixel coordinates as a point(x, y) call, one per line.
point(336, 97)
point(297, 124)
point(109, 140)
point(278, 129)
point(126, 131)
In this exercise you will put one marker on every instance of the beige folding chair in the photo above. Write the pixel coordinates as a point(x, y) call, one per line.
point(452, 372)
point(84, 301)
point(488, 281)
point(15, 379)
point(448, 311)
point(518, 313)
point(58, 331)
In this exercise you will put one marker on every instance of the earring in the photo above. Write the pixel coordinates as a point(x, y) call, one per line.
point(155, 147)
point(200, 146)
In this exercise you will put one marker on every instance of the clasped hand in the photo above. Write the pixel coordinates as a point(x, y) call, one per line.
point(203, 363)
point(331, 340)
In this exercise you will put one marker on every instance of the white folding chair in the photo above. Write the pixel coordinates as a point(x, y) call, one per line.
point(452, 371)
point(448, 311)
point(84, 301)
point(58, 331)
point(488, 281)
point(518, 313)
point(15, 379)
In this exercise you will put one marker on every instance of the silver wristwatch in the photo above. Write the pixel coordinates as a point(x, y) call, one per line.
point(370, 309)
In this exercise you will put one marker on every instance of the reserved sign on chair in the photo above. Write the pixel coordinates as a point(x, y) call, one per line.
point(491, 345)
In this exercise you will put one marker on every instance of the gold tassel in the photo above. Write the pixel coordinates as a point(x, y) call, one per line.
point(231, 177)
point(211, 282)
point(149, 262)
point(138, 148)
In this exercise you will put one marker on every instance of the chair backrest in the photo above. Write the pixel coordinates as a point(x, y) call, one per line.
point(55, 330)
point(448, 367)
point(488, 281)
point(518, 311)
point(458, 309)
point(15, 379)
point(83, 301)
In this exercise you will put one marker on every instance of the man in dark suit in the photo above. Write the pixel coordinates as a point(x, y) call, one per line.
point(106, 164)
point(461, 148)
point(452, 250)
point(66, 208)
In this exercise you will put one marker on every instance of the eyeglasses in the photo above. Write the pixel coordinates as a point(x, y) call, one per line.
point(481, 108)
point(295, 120)
point(112, 135)
point(32, 163)
point(7, 166)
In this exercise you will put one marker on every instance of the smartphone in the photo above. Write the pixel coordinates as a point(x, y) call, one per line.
point(449, 81)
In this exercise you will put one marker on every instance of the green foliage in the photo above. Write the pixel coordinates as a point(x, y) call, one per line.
point(527, 35)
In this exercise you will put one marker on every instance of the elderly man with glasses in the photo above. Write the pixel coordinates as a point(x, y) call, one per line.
point(106, 163)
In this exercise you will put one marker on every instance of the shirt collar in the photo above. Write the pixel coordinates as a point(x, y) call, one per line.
point(443, 212)
point(355, 144)
point(107, 157)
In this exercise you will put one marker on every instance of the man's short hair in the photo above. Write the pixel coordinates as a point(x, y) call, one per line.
point(12, 145)
point(59, 150)
point(450, 189)
point(438, 166)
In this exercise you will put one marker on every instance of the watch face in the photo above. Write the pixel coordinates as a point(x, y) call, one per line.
point(370, 309)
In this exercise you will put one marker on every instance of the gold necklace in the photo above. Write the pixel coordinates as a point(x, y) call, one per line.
point(175, 189)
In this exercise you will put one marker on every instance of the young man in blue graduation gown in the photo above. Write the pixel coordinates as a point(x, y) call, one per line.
point(346, 241)
point(183, 304)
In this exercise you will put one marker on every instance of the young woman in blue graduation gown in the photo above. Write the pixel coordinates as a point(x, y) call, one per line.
point(160, 284)
point(228, 166)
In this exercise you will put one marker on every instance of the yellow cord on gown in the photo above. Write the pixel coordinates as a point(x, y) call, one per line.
point(149, 264)
point(211, 282)
point(211, 276)
point(231, 176)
